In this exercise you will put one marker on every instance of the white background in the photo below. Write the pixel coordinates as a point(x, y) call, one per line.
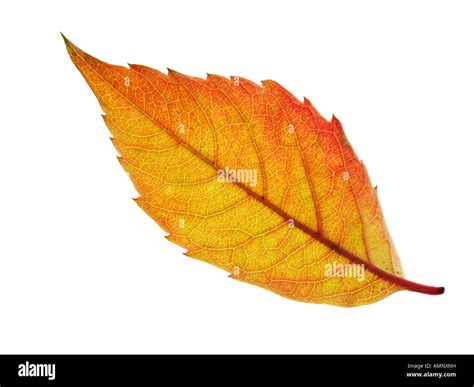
point(84, 270)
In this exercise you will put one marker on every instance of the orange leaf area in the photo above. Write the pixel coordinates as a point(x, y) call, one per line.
point(251, 180)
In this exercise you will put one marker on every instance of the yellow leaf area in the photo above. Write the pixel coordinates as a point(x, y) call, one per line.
point(251, 180)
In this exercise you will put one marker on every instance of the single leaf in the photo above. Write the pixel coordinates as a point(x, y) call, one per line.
point(251, 180)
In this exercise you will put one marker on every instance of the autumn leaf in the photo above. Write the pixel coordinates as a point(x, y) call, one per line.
point(251, 180)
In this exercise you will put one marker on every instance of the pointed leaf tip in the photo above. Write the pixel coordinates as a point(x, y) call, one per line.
point(71, 48)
